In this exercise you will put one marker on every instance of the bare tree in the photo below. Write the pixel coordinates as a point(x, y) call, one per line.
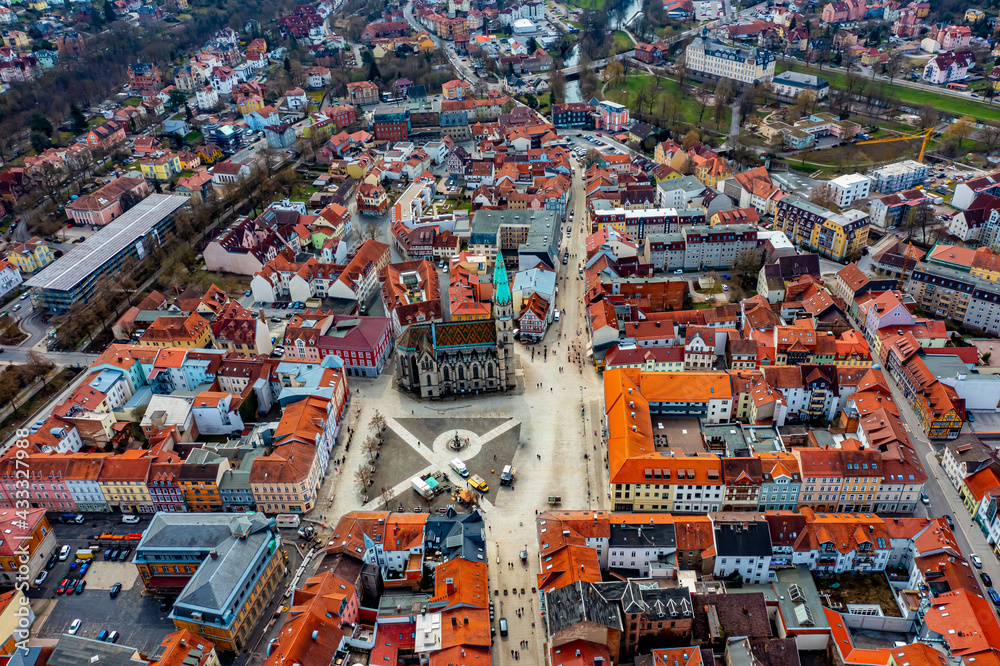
point(38, 366)
point(363, 475)
point(681, 70)
point(385, 494)
point(990, 136)
point(370, 448)
point(370, 232)
point(823, 195)
point(377, 422)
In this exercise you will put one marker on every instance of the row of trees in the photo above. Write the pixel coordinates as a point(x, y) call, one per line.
point(16, 378)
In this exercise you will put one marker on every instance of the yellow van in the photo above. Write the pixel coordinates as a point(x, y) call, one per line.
point(477, 482)
point(84, 554)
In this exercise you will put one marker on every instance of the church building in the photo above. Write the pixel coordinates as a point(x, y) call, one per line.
point(461, 356)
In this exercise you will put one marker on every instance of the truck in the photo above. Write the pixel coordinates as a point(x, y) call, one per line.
point(287, 520)
point(460, 468)
point(422, 488)
point(477, 482)
point(72, 518)
point(507, 476)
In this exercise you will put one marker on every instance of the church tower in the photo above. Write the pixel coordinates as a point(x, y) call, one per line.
point(503, 315)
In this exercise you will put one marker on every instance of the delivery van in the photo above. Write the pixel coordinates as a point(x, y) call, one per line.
point(460, 468)
point(477, 482)
point(286, 520)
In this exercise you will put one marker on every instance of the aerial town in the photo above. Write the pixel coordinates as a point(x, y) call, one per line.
point(279, 284)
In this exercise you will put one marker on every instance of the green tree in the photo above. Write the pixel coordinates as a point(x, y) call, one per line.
point(177, 99)
point(287, 65)
point(39, 123)
point(39, 142)
point(109, 11)
point(77, 118)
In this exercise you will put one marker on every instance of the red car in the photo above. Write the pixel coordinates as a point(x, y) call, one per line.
point(65, 586)
point(599, 134)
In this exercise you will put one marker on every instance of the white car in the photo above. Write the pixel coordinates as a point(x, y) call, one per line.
point(976, 562)
point(130, 519)
point(64, 553)
point(74, 627)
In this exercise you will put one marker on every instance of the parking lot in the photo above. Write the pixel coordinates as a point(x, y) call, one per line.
point(133, 614)
point(136, 616)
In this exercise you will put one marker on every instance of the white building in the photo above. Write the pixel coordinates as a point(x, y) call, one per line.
point(790, 84)
point(208, 98)
point(710, 59)
point(10, 278)
point(524, 26)
point(745, 548)
point(849, 187)
point(948, 67)
point(214, 414)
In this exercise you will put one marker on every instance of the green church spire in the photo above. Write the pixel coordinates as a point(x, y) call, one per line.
point(501, 289)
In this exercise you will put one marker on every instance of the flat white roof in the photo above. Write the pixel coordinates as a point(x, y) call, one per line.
point(850, 179)
point(88, 257)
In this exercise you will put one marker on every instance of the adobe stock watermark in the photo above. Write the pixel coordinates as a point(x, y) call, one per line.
point(22, 533)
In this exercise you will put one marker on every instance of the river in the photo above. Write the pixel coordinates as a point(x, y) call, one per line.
point(615, 21)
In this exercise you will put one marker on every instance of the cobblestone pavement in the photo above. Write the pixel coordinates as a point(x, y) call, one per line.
point(559, 413)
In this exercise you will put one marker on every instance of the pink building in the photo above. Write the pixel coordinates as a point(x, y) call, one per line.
point(954, 37)
point(843, 11)
point(100, 207)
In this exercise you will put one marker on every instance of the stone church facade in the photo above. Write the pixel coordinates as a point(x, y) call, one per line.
point(435, 360)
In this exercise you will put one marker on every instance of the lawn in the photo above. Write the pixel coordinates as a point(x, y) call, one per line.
point(690, 107)
point(856, 156)
point(911, 96)
point(622, 43)
point(586, 4)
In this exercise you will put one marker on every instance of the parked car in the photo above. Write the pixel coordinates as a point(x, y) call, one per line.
point(986, 578)
point(40, 578)
point(108, 552)
point(103, 636)
point(123, 555)
point(84, 567)
point(976, 562)
point(114, 555)
point(116, 589)
point(113, 637)
point(924, 499)
point(75, 626)
point(994, 597)
point(80, 586)
point(130, 519)
point(65, 585)
point(53, 558)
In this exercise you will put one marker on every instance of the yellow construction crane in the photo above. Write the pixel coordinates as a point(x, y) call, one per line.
point(908, 137)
